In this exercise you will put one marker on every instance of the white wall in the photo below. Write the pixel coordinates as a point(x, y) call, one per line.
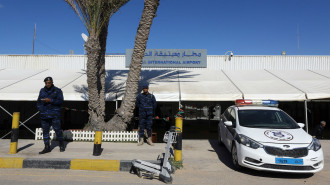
point(214, 62)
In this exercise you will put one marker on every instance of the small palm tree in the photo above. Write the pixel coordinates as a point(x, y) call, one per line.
point(124, 114)
point(95, 14)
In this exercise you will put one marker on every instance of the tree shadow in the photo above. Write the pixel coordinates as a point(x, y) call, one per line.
point(115, 81)
point(225, 157)
point(25, 147)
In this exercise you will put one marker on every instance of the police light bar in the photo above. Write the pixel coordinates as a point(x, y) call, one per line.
point(244, 102)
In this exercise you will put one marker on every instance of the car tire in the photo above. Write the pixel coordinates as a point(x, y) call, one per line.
point(234, 157)
point(220, 143)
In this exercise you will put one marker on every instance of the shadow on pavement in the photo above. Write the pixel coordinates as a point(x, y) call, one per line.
point(54, 144)
point(24, 147)
point(225, 157)
point(223, 154)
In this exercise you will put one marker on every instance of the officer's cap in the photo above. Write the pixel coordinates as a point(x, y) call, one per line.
point(145, 86)
point(48, 79)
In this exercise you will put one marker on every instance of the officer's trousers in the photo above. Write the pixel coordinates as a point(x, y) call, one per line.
point(56, 123)
point(145, 122)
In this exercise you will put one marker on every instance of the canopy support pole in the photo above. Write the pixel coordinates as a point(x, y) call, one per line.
point(233, 83)
point(306, 116)
point(179, 90)
point(116, 101)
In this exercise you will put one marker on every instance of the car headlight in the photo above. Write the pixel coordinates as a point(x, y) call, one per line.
point(244, 140)
point(315, 145)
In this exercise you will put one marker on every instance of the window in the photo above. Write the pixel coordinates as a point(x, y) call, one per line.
point(266, 119)
point(230, 115)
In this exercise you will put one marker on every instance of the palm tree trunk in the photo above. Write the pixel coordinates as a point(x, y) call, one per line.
point(101, 72)
point(124, 114)
point(96, 105)
point(97, 110)
point(96, 15)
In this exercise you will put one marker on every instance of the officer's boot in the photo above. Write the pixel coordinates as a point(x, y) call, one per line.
point(61, 144)
point(141, 141)
point(150, 142)
point(46, 149)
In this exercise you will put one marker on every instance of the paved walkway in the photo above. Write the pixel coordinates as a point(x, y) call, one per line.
point(197, 154)
point(78, 155)
point(83, 150)
point(204, 161)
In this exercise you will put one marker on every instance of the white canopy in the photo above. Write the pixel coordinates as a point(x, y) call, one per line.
point(207, 86)
point(322, 72)
point(9, 77)
point(24, 85)
point(314, 85)
point(166, 85)
point(260, 84)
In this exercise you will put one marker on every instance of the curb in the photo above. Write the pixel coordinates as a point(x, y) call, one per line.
point(71, 164)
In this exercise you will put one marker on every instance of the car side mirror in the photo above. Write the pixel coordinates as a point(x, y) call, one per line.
point(301, 125)
point(228, 123)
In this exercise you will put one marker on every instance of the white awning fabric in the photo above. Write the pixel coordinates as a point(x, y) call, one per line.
point(314, 85)
point(25, 85)
point(207, 86)
point(260, 84)
point(171, 85)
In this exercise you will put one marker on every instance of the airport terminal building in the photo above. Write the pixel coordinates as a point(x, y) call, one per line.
point(205, 85)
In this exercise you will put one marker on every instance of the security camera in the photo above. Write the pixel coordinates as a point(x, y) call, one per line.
point(231, 54)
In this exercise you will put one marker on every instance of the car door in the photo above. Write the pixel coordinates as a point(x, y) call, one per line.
point(223, 128)
point(230, 131)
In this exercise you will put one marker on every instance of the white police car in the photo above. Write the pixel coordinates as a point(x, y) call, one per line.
point(263, 137)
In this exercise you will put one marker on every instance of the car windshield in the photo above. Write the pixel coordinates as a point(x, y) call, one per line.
point(266, 119)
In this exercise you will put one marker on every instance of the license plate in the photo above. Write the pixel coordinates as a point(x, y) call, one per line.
point(289, 161)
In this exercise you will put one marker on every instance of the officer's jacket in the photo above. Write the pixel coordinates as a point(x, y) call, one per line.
point(318, 132)
point(146, 103)
point(53, 108)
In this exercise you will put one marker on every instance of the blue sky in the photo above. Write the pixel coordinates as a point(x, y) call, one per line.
point(246, 27)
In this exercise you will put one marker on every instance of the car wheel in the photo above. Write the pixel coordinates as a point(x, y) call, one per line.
point(234, 157)
point(220, 143)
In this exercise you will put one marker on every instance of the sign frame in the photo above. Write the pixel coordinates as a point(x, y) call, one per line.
point(171, 58)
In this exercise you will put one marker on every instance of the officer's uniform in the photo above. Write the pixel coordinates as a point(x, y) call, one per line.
point(50, 112)
point(318, 132)
point(146, 104)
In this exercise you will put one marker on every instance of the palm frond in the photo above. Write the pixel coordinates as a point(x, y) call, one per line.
point(73, 6)
point(95, 13)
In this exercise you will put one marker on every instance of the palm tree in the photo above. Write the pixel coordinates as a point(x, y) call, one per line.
point(95, 14)
point(125, 113)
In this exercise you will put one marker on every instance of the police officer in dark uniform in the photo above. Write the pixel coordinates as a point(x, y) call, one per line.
point(49, 104)
point(146, 103)
point(318, 132)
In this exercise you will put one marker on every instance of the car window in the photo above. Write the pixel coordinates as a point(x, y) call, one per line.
point(232, 115)
point(266, 119)
point(229, 115)
point(226, 114)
